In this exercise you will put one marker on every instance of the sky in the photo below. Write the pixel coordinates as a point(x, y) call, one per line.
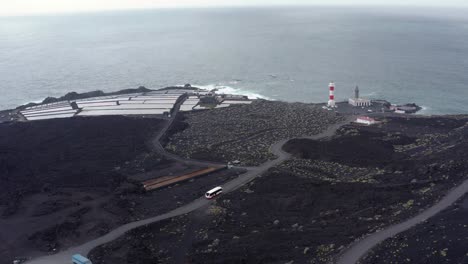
point(26, 7)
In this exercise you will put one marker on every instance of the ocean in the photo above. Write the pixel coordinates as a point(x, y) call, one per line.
point(282, 53)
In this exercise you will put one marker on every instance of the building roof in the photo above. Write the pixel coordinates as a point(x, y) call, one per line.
point(80, 258)
point(366, 118)
point(360, 99)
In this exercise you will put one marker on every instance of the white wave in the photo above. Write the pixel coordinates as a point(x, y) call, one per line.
point(38, 101)
point(236, 81)
point(368, 95)
point(425, 110)
point(223, 89)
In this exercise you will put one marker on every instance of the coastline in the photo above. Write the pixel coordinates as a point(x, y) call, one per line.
point(245, 133)
point(378, 104)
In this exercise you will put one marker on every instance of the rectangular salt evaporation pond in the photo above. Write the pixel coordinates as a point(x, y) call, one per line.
point(199, 107)
point(191, 102)
point(130, 106)
point(160, 95)
point(158, 103)
point(145, 102)
point(99, 98)
point(156, 98)
point(146, 105)
point(51, 113)
point(145, 98)
point(130, 95)
point(185, 108)
point(123, 112)
point(236, 102)
point(187, 105)
point(46, 110)
point(45, 117)
point(97, 104)
point(104, 100)
point(44, 106)
point(154, 101)
point(49, 104)
point(149, 102)
point(163, 95)
point(90, 101)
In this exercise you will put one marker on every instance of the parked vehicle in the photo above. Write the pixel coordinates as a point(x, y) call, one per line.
point(79, 259)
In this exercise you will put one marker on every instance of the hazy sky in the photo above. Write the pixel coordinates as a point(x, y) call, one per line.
point(19, 7)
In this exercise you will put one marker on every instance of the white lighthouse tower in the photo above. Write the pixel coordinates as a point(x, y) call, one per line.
point(331, 100)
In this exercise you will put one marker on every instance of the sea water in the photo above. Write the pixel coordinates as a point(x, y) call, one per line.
point(283, 53)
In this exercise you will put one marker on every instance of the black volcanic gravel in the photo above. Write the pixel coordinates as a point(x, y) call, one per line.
point(76, 152)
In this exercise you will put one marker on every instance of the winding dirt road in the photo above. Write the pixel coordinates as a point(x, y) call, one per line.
point(360, 248)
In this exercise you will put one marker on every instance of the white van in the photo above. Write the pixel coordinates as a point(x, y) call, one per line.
point(213, 192)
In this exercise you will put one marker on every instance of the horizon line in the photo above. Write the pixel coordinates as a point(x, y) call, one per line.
point(105, 10)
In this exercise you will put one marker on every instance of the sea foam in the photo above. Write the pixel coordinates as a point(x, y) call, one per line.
point(224, 89)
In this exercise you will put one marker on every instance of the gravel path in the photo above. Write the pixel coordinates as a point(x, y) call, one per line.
point(360, 248)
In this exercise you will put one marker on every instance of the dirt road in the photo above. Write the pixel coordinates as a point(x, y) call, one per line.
point(360, 248)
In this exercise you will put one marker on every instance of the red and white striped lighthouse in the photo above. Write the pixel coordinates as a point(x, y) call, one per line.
point(331, 100)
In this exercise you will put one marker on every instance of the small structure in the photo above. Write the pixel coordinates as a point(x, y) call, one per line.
point(357, 101)
point(404, 109)
point(234, 97)
point(409, 108)
point(366, 120)
point(165, 181)
point(79, 259)
point(331, 97)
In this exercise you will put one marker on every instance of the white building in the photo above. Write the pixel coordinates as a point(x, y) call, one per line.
point(357, 101)
point(366, 120)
